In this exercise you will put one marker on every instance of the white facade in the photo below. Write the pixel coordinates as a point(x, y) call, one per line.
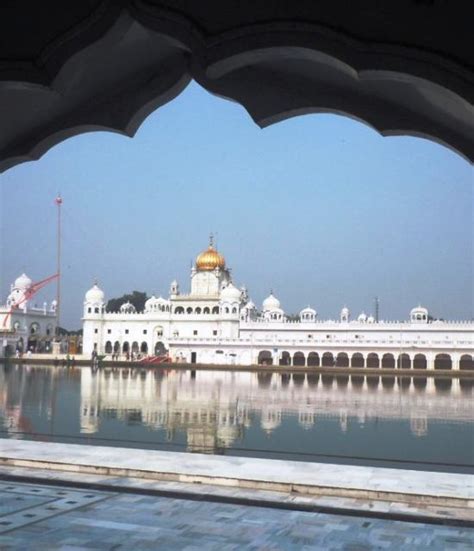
point(24, 326)
point(217, 323)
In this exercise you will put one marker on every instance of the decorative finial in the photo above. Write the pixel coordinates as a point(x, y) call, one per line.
point(211, 240)
point(58, 199)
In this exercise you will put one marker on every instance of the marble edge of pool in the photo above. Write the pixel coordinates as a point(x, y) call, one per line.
point(246, 472)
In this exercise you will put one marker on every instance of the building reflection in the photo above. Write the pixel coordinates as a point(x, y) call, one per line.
point(215, 408)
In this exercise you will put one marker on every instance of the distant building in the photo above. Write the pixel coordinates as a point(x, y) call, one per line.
point(217, 323)
point(26, 327)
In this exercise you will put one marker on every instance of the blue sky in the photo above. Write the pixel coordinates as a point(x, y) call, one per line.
point(319, 208)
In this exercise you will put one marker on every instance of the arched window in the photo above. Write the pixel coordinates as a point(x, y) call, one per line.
point(89, 310)
point(215, 310)
point(108, 347)
point(144, 347)
point(206, 310)
point(226, 310)
point(198, 310)
point(96, 310)
point(189, 310)
point(234, 310)
point(125, 347)
point(116, 347)
point(179, 310)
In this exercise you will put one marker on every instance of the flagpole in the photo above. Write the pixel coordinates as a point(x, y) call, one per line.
point(59, 202)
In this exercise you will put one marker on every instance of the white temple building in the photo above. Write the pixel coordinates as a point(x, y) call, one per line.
point(217, 323)
point(23, 325)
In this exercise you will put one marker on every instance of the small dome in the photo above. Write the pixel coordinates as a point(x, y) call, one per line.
point(362, 317)
point(371, 319)
point(419, 314)
point(95, 294)
point(308, 310)
point(419, 310)
point(149, 302)
point(271, 303)
point(23, 282)
point(249, 306)
point(128, 308)
point(210, 259)
point(345, 311)
point(231, 293)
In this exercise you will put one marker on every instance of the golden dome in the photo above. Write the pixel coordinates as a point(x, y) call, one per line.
point(210, 259)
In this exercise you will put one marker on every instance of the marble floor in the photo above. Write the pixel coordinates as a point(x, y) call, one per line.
point(44, 517)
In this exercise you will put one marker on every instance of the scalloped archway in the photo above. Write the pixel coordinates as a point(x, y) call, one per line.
point(107, 64)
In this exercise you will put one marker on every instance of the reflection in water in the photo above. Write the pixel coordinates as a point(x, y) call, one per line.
point(269, 414)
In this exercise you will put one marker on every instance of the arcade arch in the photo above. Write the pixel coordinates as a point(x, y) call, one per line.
point(443, 361)
point(265, 357)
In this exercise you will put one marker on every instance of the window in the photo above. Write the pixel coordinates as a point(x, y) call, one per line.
point(96, 331)
point(109, 331)
point(145, 331)
point(310, 336)
point(214, 332)
point(96, 310)
point(195, 332)
point(126, 331)
point(89, 310)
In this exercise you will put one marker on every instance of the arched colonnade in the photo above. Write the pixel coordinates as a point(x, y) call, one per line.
point(404, 360)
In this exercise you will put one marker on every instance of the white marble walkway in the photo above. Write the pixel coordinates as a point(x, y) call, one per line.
point(243, 472)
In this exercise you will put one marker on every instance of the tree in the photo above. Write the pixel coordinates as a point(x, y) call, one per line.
point(137, 298)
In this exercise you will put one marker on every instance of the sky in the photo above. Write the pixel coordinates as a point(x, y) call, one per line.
point(320, 209)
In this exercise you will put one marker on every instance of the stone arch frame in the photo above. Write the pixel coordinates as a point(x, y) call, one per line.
point(318, 64)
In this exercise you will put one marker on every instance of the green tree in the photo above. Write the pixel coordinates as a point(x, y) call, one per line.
point(137, 298)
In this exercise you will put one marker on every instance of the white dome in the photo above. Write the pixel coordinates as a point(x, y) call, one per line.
point(231, 293)
point(271, 303)
point(22, 282)
point(345, 311)
point(128, 308)
point(371, 319)
point(95, 294)
point(308, 310)
point(419, 310)
point(362, 317)
point(149, 302)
